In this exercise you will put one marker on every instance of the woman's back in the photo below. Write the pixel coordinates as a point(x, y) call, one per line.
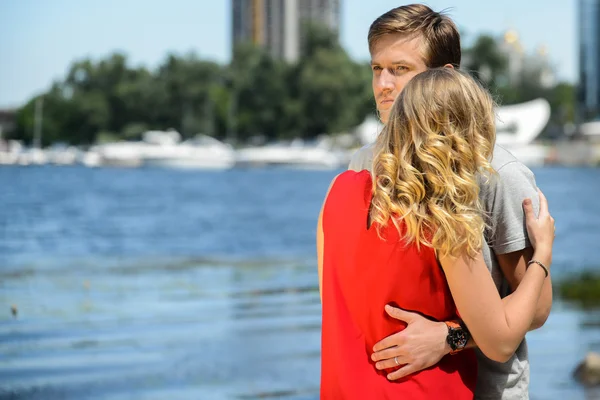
point(361, 274)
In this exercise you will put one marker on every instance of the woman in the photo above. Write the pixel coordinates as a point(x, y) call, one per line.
point(410, 236)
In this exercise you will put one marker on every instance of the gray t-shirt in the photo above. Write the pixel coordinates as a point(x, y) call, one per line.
point(502, 198)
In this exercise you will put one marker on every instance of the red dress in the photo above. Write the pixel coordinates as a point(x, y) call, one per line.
point(361, 274)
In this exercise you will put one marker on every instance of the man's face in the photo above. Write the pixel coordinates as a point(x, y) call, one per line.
point(395, 60)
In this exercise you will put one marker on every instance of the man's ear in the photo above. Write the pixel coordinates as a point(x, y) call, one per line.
point(449, 66)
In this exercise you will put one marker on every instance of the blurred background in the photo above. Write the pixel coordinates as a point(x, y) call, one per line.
point(163, 164)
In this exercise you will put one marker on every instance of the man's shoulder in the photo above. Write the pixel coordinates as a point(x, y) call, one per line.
point(502, 195)
point(510, 172)
point(513, 182)
point(504, 162)
point(366, 149)
point(362, 158)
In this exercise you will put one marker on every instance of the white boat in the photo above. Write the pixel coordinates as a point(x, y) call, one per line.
point(517, 127)
point(591, 130)
point(296, 154)
point(164, 149)
point(10, 151)
point(32, 156)
point(520, 124)
point(89, 159)
point(201, 152)
point(62, 155)
point(120, 154)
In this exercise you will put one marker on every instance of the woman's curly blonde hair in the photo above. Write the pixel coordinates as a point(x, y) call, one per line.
point(437, 142)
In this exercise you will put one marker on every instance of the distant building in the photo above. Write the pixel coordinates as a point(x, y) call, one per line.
point(277, 25)
point(539, 63)
point(512, 49)
point(589, 60)
point(526, 66)
point(326, 12)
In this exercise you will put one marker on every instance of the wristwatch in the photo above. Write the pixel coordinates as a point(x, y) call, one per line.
point(458, 335)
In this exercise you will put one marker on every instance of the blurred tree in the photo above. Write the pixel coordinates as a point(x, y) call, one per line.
point(258, 93)
point(486, 61)
point(331, 88)
point(254, 96)
point(563, 101)
point(186, 84)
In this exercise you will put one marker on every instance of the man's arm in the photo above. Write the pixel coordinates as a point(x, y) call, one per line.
point(423, 342)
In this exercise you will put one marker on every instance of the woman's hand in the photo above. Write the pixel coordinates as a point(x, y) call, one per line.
point(541, 230)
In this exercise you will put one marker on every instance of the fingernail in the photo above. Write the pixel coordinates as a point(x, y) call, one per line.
point(527, 202)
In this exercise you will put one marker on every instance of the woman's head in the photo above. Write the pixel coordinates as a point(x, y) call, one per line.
point(439, 137)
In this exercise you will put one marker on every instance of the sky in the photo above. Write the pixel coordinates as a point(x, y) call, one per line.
point(40, 39)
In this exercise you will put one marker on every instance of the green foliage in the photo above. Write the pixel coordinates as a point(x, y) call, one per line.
point(562, 100)
point(254, 96)
point(486, 60)
point(133, 130)
point(584, 290)
point(107, 137)
point(258, 94)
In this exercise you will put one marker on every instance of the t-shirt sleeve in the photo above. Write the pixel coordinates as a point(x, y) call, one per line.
point(504, 200)
point(361, 159)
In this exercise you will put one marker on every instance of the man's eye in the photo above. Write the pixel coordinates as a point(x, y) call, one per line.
point(401, 68)
point(376, 68)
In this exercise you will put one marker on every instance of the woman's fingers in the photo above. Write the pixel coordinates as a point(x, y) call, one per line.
point(543, 204)
point(528, 209)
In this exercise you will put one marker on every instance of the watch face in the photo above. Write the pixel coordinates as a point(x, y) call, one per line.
point(457, 338)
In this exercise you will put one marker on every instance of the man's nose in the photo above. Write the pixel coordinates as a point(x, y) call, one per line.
point(386, 80)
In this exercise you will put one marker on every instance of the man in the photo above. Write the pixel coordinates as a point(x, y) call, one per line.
point(404, 42)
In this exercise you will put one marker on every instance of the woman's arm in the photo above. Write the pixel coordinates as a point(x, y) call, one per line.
point(321, 240)
point(499, 327)
point(514, 266)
